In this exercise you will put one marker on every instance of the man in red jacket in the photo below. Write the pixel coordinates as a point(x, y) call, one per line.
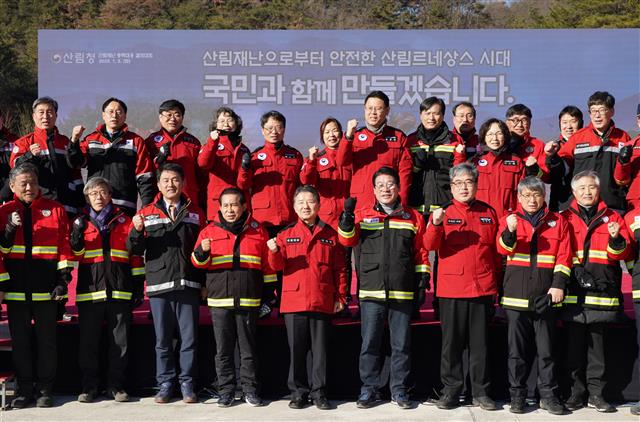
point(314, 288)
point(463, 233)
point(464, 127)
point(172, 143)
point(518, 118)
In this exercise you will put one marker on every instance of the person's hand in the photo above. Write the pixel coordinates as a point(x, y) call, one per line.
point(203, 293)
point(206, 245)
point(272, 245)
point(512, 223)
point(80, 223)
point(437, 216)
point(14, 219)
point(551, 148)
point(214, 135)
point(351, 128)
point(313, 152)
point(34, 149)
point(614, 229)
point(624, 156)
point(557, 295)
point(246, 161)
point(138, 222)
point(76, 133)
point(530, 161)
point(59, 292)
point(460, 148)
point(337, 306)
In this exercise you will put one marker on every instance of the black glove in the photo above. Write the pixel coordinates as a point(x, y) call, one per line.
point(246, 161)
point(420, 158)
point(163, 153)
point(77, 232)
point(423, 281)
point(59, 290)
point(137, 297)
point(348, 217)
point(515, 141)
point(624, 156)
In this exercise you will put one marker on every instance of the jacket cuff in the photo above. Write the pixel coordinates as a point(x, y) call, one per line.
point(617, 245)
point(508, 239)
point(559, 281)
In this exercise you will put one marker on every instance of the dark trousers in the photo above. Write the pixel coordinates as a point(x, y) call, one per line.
point(464, 325)
point(586, 339)
point(44, 315)
point(636, 308)
point(117, 315)
point(374, 315)
point(176, 310)
point(527, 333)
point(272, 292)
point(231, 326)
point(307, 331)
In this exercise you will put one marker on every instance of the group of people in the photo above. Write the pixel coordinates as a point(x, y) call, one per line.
point(249, 231)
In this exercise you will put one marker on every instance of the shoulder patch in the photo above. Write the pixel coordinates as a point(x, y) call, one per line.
point(362, 137)
point(158, 138)
point(324, 161)
point(46, 213)
point(15, 149)
point(551, 223)
point(254, 225)
point(262, 156)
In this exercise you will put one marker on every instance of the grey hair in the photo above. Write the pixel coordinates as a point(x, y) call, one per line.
point(587, 173)
point(531, 183)
point(45, 100)
point(21, 169)
point(464, 168)
point(95, 182)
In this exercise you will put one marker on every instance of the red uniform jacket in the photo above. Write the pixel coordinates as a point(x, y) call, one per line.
point(313, 266)
point(632, 218)
point(33, 270)
point(272, 179)
point(603, 257)
point(534, 147)
point(221, 161)
point(537, 258)
point(236, 266)
point(332, 180)
point(468, 262)
point(498, 178)
point(471, 144)
point(184, 150)
point(627, 174)
point(367, 152)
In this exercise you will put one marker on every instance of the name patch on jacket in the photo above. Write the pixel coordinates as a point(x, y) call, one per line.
point(454, 221)
point(391, 138)
point(289, 156)
point(371, 220)
point(509, 162)
point(293, 240)
point(582, 145)
point(326, 241)
point(486, 220)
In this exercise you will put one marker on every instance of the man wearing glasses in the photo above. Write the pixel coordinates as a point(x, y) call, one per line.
point(598, 147)
point(464, 127)
point(518, 119)
point(174, 144)
point(463, 233)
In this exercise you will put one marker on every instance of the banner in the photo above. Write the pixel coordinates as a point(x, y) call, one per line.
point(309, 75)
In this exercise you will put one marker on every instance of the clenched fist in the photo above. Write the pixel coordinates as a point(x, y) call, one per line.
point(512, 223)
point(351, 128)
point(614, 229)
point(551, 148)
point(138, 222)
point(313, 152)
point(76, 133)
point(214, 135)
point(14, 219)
point(530, 161)
point(272, 245)
point(437, 216)
point(206, 245)
point(460, 148)
point(35, 149)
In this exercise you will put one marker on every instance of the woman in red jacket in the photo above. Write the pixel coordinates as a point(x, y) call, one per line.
point(313, 289)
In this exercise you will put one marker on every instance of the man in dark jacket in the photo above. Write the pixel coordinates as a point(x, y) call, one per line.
point(165, 231)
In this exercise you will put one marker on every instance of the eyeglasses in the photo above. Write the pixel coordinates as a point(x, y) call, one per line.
point(517, 122)
point(388, 185)
point(97, 193)
point(463, 183)
point(535, 195)
point(494, 135)
point(276, 129)
point(169, 116)
point(598, 111)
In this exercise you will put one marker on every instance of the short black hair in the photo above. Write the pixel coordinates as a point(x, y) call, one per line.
point(389, 171)
point(601, 98)
point(574, 112)
point(117, 100)
point(307, 188)
point(379, 95)
point(430, 102)
point(172, 105)
point(233, 191)
point(230, 112)
point(171, 166)
point(463, 104)
point(275, 115)
point(519, 109)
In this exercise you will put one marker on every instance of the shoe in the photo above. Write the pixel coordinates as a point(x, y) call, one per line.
point(21, 401)
point(45, 400)
point(188, 395)
point(517, 405)
point(298, 403)
point(252, 399)
point(164, 394)
point(447, 401)
point(87, 396)
point(401, 400)
point(226, 399)
point(120, 396)
point(322, 403)
point(574, 402)
point(635, 409)
point(599, 403)
point(485, 403)
point(552, 405)
point(367, 400)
